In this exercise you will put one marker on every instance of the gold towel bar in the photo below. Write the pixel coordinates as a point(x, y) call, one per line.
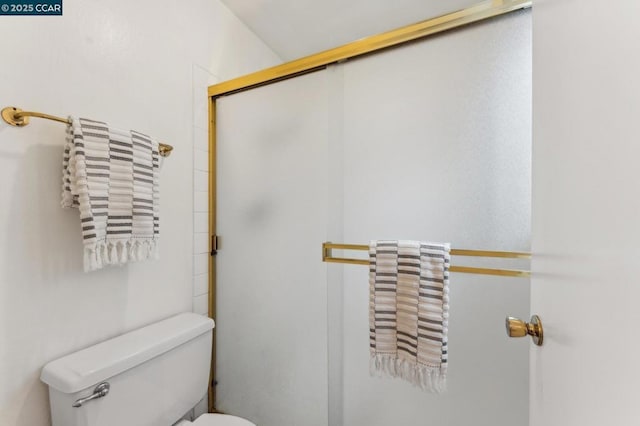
point(328, 247)
point(19, 118)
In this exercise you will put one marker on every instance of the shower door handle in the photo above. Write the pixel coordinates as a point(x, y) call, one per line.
point(518, 328)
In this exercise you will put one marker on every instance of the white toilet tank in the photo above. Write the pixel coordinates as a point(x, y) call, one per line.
point(156, 374)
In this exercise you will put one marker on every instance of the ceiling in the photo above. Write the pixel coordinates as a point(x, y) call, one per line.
point(297, 28)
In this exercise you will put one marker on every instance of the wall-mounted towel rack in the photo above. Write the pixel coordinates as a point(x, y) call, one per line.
point(19, 118)
point(328, 247)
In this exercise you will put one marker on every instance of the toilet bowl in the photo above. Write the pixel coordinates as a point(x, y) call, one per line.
point(217, 420)
point(147, 377)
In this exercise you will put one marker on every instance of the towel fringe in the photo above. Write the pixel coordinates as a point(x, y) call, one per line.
point(119, 252)
point(425, 377)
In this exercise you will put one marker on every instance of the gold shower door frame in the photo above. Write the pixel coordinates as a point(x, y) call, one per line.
point(476, 13)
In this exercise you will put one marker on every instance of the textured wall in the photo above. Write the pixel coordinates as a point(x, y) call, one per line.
point(135, 65)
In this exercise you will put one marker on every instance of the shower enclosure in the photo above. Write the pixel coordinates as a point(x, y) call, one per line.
point(428, 141)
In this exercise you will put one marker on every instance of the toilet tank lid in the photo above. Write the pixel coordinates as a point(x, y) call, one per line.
point(90, 366)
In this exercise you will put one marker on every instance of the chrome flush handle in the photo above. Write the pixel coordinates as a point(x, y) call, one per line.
point(101, 390)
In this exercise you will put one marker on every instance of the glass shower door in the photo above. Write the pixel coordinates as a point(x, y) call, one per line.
point(271, 317)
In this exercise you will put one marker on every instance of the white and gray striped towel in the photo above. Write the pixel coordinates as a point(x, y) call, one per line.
point(409, 311)
point(111, 176)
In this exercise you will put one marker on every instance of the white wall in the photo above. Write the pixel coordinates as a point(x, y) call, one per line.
point(202, 79)
point(586, 205)
point(278, 22)
point(142, 65)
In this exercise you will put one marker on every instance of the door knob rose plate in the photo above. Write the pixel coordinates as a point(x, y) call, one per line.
point(518, 328)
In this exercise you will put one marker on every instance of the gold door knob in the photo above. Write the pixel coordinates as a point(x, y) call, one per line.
point(518, 328)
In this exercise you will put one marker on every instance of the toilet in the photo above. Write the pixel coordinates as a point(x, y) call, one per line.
point(148, 377)
point(217, 420)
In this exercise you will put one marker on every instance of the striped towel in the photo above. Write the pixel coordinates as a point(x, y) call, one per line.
point(409, 311)
point(111, 176)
